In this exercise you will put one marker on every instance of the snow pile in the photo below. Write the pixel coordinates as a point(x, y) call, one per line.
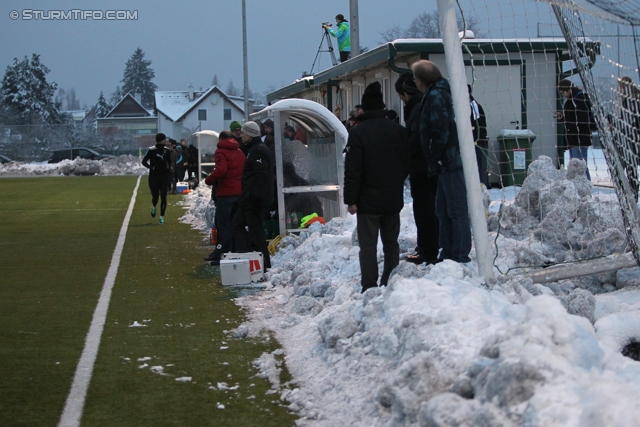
point(121, 165)
point(556, 209)
point(439, 346)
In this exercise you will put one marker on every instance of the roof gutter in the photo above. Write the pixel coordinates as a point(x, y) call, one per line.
point(393, 52)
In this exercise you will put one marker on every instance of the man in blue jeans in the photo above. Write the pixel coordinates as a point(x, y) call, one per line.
point(440, 146)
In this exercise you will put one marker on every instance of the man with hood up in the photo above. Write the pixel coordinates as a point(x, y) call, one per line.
point(375, 168)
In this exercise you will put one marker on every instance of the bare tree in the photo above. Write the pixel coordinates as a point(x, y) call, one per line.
point(426, 25)
point(391, 33)
point(232, 90)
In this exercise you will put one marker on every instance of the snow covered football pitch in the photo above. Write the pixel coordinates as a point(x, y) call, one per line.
point(163, 356)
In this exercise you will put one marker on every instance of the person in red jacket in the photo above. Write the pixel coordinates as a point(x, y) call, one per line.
point(226, 180)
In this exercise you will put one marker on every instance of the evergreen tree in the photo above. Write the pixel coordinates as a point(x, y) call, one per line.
point(116, 96)
point(100, 110)
point(214, 81)
point(137, 78)
point(26, 95)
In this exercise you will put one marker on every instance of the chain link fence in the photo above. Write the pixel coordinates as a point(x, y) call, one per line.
point(35, 143)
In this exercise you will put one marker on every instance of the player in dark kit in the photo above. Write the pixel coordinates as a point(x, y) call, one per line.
point(158, 161)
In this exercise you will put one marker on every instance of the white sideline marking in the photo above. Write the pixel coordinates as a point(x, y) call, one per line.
point(75, 401)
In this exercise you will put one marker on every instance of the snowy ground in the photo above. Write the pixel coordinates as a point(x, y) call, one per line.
point(440, 346)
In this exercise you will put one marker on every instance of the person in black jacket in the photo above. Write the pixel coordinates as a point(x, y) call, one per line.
point(375, 168)
point(423, 186)
point(576, 118)
point(257, 192)
point(480, 138)
point(193, 162)
point(158, 161)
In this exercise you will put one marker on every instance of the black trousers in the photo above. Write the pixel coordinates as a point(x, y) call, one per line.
point(369, 226)
point(158, 184)
point(254, 238)
point(423, 192)
point(344, 56)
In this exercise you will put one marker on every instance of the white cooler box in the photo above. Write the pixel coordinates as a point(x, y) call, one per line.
point(256, 263)
point(235, 271)
point(181, 186)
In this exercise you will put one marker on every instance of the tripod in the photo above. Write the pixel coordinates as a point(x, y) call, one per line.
point(325, 36)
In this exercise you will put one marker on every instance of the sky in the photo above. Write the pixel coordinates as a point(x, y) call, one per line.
point(190, 41)
point(406, 353)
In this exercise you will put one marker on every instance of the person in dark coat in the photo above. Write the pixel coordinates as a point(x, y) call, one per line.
point(193, 162)
point(576, 118)
point(257, 192)
point(174, 159)
point(181, 162)
point(480, 138)
point(376, 166)
point(158, 161)
point(423, 185)
point(226, 180)
point(441, 149)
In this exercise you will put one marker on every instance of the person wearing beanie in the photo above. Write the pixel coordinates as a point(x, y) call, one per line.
point(267, 136)
point(343, 34)
point(227, 187)
point(257, 191)
point(576, 117)
point(441, 149)
point(423, 185)
point(375, 168)
point(158, 161)
point(235, 125)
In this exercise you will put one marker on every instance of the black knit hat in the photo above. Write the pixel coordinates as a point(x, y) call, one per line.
point(160, 137)
point(409, 86)
point(372, 97)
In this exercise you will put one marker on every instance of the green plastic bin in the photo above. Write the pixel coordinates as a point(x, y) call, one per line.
point(515, 155)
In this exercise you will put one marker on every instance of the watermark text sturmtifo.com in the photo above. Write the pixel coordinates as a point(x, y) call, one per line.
point(74, 15)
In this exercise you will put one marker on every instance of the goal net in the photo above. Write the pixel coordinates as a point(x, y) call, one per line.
point(550, 208)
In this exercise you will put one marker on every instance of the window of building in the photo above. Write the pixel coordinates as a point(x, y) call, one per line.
point(227, 114)
point(202, 115)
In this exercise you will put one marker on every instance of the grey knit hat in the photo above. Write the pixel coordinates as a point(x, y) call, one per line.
point(251, 128)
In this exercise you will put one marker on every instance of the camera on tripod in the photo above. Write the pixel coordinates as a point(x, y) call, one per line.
point(328, 24)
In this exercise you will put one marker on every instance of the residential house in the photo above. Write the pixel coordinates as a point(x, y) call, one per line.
point(181, 113)
point(129, 118)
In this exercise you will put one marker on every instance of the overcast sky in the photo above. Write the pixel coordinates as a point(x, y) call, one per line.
point(190, 41)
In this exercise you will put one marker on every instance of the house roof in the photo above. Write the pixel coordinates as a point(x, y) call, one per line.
point(129, 107)
point(175, 105)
